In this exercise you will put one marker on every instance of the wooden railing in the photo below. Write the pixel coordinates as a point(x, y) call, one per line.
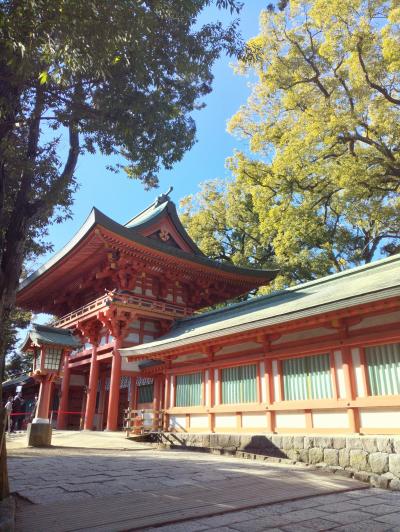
point(139, 422)
point(127, 299)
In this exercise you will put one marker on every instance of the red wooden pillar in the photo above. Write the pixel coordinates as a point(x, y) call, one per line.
point(92, 390)
point(167, 395)
point(113, 403)
point(132, 401)
point(43, 409)
point(349, 378)
point(63, 406)
point(269, 394)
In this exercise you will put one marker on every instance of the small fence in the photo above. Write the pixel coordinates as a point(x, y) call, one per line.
point(139, 422)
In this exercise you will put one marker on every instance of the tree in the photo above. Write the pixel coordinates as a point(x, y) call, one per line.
point(121, 77)
point(16, 363)
point(323, 125)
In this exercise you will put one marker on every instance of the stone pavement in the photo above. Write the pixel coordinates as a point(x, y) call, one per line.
point(89, 482)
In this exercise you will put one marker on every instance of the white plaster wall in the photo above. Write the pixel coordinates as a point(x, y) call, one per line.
point(303, 335)
point(355, 353)
point(129, 366)
point(372, 321)
point(263, 384)
point(178, 422)
point(290, 420)
point(331, 419)
point(216, 388)
point(379, 418)
point(277, 383)
point(191, 356)
point(225, 421)
point(244, 346)
point(198, 421)
point(340, 374)
point(254, 420)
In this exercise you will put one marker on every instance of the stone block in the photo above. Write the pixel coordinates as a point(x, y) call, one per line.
point(261, 443)
point(362, 476)
point(354, 442)
point(277, 441)
point(384, 444)
point(379, 481)
point(394, 464)
point(316, 455)
point(369, 445)
point(331, 457)
point(379, 462)
point(339, 442)
point(293, 454)
point(388, 475)
point(308, 442)
point(395, 484)
point(304, 455)
point(39, 434)
point(287, 442)
point(344, 457)
point(298, 442)
point(325, 442)
point(396, 444)
point(359, 460)
point(245, 440)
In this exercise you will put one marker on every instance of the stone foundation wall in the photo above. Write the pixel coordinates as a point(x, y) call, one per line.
point(374, 459)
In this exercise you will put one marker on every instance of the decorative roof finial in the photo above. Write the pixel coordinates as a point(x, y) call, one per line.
point(162, 198)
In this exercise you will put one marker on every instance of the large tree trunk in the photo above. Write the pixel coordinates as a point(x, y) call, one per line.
point(11, 267)
point(4, 488)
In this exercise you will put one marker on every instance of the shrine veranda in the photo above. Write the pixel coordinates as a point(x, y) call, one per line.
point(321, 358)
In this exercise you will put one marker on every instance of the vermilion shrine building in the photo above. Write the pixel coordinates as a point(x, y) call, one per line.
point(320, 357)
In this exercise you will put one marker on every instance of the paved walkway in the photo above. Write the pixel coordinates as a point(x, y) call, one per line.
point(90, 483)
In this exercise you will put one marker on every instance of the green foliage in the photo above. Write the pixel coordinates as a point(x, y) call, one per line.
point(119, 77)
point(16, 363)
point(323, 125)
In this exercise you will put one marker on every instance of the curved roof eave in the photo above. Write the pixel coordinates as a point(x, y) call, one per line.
point(358, 286)
point(96, 217)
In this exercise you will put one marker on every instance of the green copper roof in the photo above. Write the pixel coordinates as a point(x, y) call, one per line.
point(97, 218)
point(45, 335)
point(375, 281)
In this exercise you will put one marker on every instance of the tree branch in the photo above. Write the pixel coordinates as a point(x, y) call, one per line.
point(371, 83)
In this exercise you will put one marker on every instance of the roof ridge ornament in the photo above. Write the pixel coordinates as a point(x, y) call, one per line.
point(162, 198)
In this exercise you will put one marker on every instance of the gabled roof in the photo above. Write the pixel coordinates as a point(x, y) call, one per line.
point(375, 281)
point(160, 209)
point(45, 335)
point(78, 252)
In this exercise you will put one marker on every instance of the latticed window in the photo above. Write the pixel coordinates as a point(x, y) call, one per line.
point(145, 393)
point(239, 384)
point(383, 363)
point(188, 389)
point(53, 358)
point(307, 378)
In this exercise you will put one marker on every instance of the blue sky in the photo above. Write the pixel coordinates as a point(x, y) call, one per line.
point(121, 198)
